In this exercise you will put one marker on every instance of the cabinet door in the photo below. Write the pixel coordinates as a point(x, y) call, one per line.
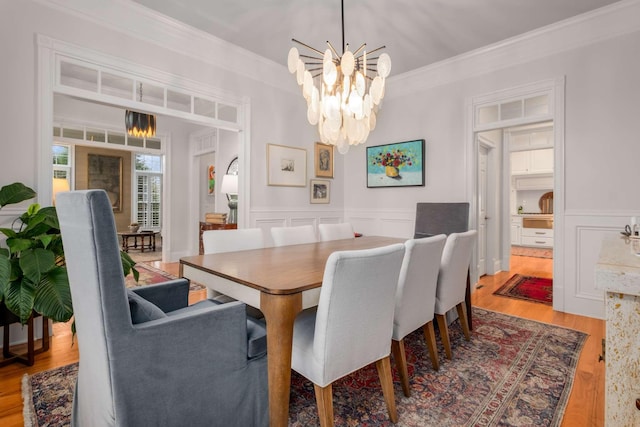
point(519, 142)
point(520, 162)
point(515, 234)
point(542, 139)
point(541, 161)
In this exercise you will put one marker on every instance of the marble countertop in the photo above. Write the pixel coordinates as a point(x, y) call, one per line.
point(618, 269)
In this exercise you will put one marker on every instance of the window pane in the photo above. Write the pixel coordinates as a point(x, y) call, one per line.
point(511, 110)
point(95, 135)
point(487, 114)
point(60, 155)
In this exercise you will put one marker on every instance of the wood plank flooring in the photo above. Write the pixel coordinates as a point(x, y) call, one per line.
point(585, 407)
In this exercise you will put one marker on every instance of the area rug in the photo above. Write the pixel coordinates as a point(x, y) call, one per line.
point(150, 275)
point(513, 372)
point(529, 288)
point(531, 252)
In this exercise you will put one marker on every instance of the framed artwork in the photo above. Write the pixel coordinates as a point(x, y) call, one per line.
point(396, 165)
point(324, 160)
point(320, 190)
point(211, 180)
point(286, 166)
point(105, 172)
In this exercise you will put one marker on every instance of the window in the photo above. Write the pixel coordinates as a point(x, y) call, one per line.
point(62, 162)
point(148, 191)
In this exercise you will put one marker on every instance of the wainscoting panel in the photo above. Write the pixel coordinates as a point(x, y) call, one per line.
point(585, 232)
point(392, 223)
point(267, 218)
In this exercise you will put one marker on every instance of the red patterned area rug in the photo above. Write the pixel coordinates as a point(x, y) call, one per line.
point(513, 372)
point(535, 289)
point(531, 252)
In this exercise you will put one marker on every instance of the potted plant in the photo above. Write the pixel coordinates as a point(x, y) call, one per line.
point(33, 275)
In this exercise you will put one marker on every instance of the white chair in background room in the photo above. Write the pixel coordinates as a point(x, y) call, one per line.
point(335, 231)
point(355, 312)
point(416, 300)
point(452, 283)
point(243, 239)
point(299, 235)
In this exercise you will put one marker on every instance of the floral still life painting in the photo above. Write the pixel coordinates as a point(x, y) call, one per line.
point(396, 165)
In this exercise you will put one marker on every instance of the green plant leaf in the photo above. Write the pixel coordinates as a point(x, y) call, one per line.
point(35, 263)
point(5, 274)
point(8, 232)
point(19, 298)
point(15, 193)
point(53, 295)
point(17, 245)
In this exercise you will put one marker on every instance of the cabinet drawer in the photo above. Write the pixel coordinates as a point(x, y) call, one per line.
point(537, 232)
point(545, 242)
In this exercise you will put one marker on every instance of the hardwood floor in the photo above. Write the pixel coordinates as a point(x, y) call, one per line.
point(585, 407)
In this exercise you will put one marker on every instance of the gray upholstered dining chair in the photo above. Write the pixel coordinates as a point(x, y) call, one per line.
point(242, 239)
point(146, 358)
point(452, 283)
point(351, 326)
point(416, 300)
point(343, 230)
point(298, 235)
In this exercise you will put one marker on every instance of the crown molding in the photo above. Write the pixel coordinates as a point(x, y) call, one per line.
point(139, 22)
point(598, 25)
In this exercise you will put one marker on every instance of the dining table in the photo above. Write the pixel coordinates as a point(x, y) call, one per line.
point(281, 282)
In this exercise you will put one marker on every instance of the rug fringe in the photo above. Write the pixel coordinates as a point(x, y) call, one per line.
point(28, 411)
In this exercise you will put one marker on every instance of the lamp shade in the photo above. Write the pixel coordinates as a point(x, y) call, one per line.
point(229, 184)
point(59, 184)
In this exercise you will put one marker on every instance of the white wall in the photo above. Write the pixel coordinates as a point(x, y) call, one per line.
point(601, 149)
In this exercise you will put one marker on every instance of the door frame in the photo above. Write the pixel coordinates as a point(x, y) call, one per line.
point(556, 89)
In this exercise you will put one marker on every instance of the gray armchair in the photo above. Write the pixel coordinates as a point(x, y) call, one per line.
point(146, 358)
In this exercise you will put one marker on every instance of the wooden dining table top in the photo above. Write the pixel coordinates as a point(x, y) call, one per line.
point(281, 270)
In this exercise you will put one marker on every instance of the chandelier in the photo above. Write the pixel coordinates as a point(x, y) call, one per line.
point(343, 92)
point(140, 125)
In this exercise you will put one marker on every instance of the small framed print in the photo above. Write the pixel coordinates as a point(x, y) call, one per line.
point(286, 166)
point(324, 160)
point(320, 190)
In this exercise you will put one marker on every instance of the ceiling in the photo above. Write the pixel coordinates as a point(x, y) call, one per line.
point(416, 33)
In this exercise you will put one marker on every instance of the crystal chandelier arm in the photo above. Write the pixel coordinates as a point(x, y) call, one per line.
point(307, 46)
point(333, 49)
point(375, 50)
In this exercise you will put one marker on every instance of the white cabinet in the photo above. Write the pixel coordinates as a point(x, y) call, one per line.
point(532, 161)
point(533, 182)
point(516, 227)
point(528, 140)
point(537, 237)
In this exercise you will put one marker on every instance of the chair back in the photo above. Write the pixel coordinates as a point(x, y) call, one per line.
point(98, 291)
point(441, 218)
point(355, 310)
point(416, 294)
point(299, 235)
point(335, 231)
point(217, 241)
point(454, 267)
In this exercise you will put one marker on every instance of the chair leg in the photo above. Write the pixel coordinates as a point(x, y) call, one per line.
point(430, 338)
point(324, 400)
point(397, 348)
point(384, 372)
point(464, 321)
point(444, 334)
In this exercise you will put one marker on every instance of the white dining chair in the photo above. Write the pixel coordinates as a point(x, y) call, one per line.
point(335, 231)
point(283, 236)
point(452, 283)
point(242, 239)
point(416, 300)
point(351, 326)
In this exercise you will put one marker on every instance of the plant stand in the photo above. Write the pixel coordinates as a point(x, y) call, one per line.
point(28, 358)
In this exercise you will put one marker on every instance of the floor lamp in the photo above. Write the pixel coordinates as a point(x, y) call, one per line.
point(230, 188)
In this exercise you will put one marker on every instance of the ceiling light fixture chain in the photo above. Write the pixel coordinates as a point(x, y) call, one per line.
point(342, 98)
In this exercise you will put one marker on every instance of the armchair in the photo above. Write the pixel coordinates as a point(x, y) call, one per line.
point(190, 365)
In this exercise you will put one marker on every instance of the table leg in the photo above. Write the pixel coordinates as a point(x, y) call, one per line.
point(280, 312)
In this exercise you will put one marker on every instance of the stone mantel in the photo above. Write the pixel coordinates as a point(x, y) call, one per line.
point(618, 273)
